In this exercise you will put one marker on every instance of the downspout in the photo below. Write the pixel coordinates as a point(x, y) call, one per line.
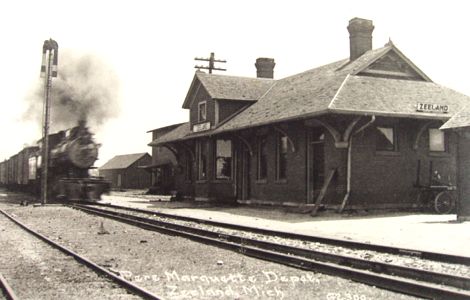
point(348, 165)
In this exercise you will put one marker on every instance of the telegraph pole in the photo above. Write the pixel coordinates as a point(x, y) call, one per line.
point(211, 61)
point(48, 70)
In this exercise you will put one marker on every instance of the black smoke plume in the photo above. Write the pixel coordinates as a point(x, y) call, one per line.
point(85, 89)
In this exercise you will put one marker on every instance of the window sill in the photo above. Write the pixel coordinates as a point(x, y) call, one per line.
point(261, 181)
point(281, 181)
point(387, 153)
point(201, 181)
point(439, 154)
point(222, 181)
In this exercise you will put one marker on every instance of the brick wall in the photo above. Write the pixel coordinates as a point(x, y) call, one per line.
point(378, 179)
point(463, 184)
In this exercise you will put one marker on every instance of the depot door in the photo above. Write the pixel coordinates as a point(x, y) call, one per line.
point(119, 181)
point(315, 162)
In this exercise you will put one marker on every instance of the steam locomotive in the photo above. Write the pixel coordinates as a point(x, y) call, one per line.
point(72, 154)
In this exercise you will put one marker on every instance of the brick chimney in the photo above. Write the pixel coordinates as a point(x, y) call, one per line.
point(265, 67)
point(360, 37)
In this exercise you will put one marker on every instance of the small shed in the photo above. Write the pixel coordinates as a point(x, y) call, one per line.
point(127, 172)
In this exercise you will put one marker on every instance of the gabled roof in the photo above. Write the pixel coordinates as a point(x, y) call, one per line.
point(381, 53)
point(307, 93)
point(169, 127)
point(459, 120)
point(122, 161)
point(385, 97)
point(343, 87)
point(228, 87)
point(176, 134)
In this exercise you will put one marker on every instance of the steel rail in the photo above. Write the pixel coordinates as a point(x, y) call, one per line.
point(311, 260)
point(9, 293)
point(379, 267)
point(435, 256)
point(98, 269)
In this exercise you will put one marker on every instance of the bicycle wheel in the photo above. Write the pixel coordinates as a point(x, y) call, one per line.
point(444, 202)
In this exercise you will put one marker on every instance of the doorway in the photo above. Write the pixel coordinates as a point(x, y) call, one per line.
point(315, 162)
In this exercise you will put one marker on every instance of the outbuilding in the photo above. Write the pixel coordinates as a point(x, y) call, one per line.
point(361, 132)
point(127, 171)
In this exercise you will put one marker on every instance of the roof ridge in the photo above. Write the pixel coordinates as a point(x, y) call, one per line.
point(267, 91)
point(338, 91)
point(313, 69)
point(362, 65)
point(236, 76)
point(381, 53)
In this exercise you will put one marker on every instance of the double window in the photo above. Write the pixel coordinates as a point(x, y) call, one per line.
point(223, 162)
point(202, 111)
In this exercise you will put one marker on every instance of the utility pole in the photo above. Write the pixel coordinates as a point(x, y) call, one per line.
point(48, 70)
point(211, 61)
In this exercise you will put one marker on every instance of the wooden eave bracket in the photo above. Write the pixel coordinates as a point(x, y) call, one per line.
point(341, 141)
point(172, 149)
point(283, 132)
point(189, 150)
point(247, 144)
point(420, 133)
point(347, 133)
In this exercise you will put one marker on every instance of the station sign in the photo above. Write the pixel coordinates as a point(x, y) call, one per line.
point(202, 127)
point(432, 108)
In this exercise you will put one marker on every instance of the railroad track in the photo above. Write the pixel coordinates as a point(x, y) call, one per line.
point(417, 282)
point(122, 283)
point(7, 290)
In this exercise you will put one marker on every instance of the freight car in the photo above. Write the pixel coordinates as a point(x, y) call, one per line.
point(72, 154)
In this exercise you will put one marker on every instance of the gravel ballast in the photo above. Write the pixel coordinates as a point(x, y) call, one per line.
point(177, 268)
point(395, 259)
point(35, 270)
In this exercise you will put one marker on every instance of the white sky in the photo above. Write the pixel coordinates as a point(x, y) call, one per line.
point(151, 45)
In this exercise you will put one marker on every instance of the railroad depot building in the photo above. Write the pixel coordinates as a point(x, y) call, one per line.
point(359, 132)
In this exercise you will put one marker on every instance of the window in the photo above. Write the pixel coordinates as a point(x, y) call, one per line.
point(386, 139)
point(281, 161)
point(202, 111)
point(202, 150)
point(262, 158)
point(223, 167)
point(437, 141)
point(32, 168)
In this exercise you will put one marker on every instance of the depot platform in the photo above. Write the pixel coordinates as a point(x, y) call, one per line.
point(417, 231)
